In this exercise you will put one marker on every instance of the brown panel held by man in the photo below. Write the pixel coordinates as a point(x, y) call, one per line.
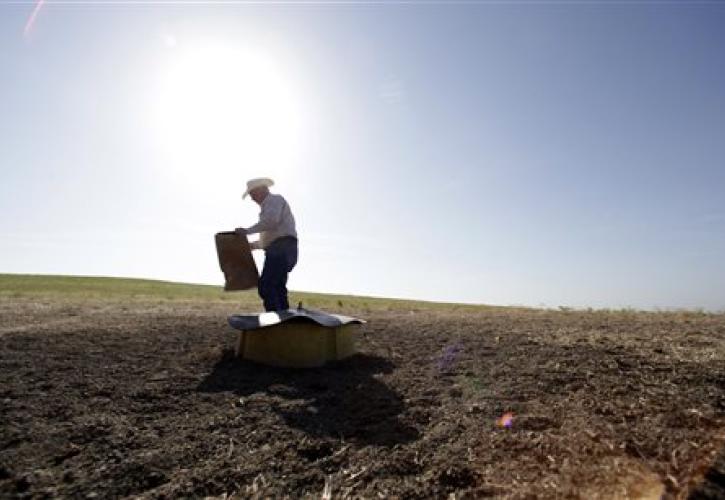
point(236, 261)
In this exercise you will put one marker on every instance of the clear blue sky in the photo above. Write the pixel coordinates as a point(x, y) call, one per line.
point(529, 153)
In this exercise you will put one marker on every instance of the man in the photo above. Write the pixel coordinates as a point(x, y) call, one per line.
point(278, 239)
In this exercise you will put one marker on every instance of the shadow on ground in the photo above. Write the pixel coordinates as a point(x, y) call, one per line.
point(712, 486)
point(342, 400)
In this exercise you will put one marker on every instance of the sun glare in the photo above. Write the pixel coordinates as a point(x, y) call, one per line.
point(225, 114)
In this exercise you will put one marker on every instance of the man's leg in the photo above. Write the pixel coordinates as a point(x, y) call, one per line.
point(280, 258)
point(273, 274)
point(282, 299)
point(290, 259)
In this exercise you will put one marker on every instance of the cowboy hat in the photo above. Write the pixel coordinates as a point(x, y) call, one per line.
point(256, 183)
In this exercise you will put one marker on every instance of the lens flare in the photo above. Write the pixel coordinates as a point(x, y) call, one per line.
point(31, 19)
point(505, 420)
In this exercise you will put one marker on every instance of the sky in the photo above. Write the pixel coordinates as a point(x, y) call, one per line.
point(512, 153)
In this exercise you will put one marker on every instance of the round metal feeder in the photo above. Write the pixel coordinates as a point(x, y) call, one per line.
point(298, 338)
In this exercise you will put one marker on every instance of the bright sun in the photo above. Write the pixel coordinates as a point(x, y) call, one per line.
point(226, 114)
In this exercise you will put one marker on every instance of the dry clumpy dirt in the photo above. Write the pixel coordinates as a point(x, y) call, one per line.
point(147, 400)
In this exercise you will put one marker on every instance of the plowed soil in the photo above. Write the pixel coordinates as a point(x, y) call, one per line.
point(101, 399)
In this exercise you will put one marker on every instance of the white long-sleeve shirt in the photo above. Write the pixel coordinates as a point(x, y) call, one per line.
point(275, 221)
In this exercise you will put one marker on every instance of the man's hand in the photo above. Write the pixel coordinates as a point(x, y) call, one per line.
point(240, 231)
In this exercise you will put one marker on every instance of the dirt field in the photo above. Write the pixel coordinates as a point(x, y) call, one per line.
point(104, 398)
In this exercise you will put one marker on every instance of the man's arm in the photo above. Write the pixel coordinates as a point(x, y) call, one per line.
point(254, 245)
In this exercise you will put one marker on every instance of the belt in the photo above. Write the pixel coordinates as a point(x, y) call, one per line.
point(282, 239)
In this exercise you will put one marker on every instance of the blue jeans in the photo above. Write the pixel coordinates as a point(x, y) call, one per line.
point(280, 258)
